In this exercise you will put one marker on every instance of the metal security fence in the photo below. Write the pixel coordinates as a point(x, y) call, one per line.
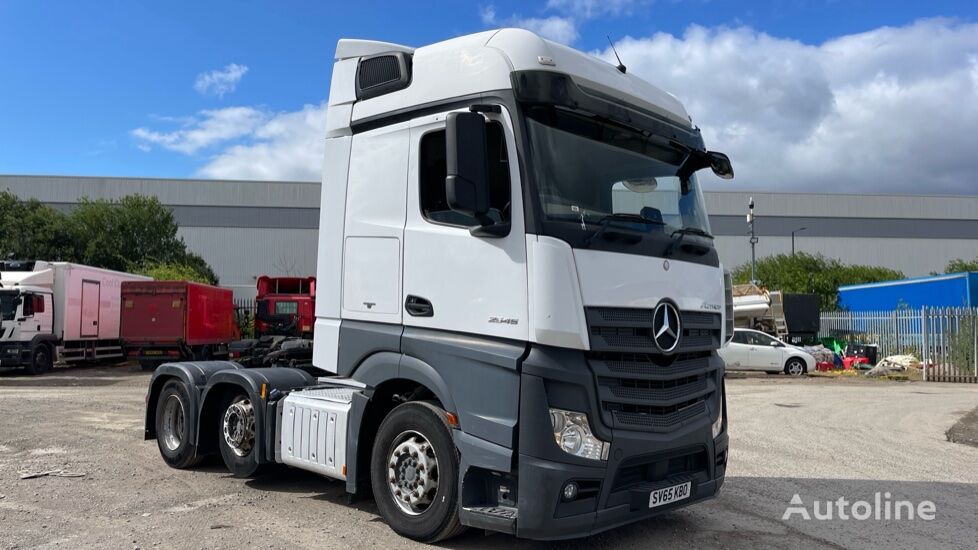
point(944, 339)
point(244, 315)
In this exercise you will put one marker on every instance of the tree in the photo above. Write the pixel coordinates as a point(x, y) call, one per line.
point(807, 273)
point(960, 265)
point(175, 272)
point(30, 229)
point(134, 230)
point(136, 233)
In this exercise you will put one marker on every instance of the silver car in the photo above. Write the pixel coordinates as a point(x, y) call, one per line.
point(756, 351)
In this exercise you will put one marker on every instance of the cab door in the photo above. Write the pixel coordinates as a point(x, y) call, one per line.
point(453, 280)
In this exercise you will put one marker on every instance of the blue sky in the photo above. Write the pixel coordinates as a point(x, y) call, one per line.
point(108, 87)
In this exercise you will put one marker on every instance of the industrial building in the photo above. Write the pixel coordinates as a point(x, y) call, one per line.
point(250, 228)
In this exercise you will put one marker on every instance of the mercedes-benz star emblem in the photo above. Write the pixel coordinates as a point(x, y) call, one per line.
point(666, 326)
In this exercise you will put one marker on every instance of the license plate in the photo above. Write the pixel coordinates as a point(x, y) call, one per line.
point(661, 497)
point(153, 352)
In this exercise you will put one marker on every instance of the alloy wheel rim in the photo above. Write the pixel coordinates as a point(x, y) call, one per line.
point(412, 472)
point(173, 422)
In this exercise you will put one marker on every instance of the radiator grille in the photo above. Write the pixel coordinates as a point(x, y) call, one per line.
point(630, 330)
point(639, 387)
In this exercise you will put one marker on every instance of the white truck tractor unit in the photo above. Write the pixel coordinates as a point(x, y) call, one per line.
point(58, 311)
point(519, 303)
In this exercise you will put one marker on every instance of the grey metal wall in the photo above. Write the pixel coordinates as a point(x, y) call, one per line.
point(249, 228)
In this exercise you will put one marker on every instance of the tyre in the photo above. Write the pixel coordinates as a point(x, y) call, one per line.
point(173, 420)
point(41, 359)
point(236, 435)
point(795, 367)
point(414, 473)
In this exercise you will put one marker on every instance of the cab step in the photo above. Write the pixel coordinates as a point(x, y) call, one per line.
point(493, 518)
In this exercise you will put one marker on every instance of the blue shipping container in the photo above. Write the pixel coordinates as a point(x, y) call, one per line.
point(954, 290)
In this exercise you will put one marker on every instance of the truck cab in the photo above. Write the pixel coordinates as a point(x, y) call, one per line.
point(285, 306)
point(519, 302)
point(26, 317)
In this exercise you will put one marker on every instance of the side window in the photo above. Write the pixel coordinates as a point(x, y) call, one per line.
point(28, 305)
point(38, 303)
point(433, 170)
point(739, 337)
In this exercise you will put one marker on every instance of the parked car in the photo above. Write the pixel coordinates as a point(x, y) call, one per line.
point(755, 350)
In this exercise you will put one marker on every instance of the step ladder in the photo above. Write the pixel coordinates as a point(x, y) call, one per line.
point(777, 314)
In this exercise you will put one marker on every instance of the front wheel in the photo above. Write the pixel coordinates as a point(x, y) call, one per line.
point(414, 473)
point(41, 359)
point(795, 367)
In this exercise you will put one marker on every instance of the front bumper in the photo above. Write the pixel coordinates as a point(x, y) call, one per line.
point(543, 515)
point(613, 492)
point(15, 354)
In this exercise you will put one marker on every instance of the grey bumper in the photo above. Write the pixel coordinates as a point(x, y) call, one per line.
point(613, 492)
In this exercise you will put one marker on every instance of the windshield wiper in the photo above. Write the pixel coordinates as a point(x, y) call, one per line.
point(621, 217)
point(682, 234)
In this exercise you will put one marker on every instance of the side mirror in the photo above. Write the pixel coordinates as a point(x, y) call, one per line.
point(467, 182)
point(720, 164)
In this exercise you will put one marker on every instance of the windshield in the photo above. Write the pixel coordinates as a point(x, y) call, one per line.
point(587, 169)
point(8, 305)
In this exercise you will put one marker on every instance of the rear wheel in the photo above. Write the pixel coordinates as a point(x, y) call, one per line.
point(237, 436)
point(173, 426)
point(414, 473)
point(41, 359)
point(794, 367)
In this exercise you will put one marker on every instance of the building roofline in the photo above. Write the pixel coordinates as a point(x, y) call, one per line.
point(174, 180)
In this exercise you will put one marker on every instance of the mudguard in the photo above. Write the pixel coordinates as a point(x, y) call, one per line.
point(194, 375)
point(250, 381)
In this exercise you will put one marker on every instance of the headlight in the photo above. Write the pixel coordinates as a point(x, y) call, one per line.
point(573, 435)
point(718, 424)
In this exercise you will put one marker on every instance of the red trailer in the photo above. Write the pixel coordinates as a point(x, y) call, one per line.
point(286, 306)
point(176, 320)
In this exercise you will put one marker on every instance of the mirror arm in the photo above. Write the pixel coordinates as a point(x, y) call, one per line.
point(491, 231)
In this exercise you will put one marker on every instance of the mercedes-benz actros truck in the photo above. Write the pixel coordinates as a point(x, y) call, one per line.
point(519, 302)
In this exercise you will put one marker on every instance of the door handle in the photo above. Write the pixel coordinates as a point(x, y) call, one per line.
point(417, 306)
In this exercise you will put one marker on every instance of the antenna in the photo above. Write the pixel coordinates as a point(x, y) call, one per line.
point(621, 67)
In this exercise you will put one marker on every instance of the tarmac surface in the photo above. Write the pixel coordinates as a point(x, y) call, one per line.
point(820, 439)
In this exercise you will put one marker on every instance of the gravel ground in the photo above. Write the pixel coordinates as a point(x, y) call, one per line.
point(820, 439)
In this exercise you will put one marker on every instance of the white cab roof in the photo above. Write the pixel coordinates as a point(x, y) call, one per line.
point(482, 62)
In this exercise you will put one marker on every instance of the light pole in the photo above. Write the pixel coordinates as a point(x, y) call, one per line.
point(753, 241)
point(800, 229)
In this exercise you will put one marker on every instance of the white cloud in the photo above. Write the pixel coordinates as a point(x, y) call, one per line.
point(890, 110)
point(558, 29)
point(220, 81)
point(566, 15)
point(247, 142)
point(208, 128)
point(590, 9)
point(288, 146)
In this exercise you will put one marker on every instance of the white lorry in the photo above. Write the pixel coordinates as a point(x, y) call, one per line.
point(519, 304)
point(58, 311)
